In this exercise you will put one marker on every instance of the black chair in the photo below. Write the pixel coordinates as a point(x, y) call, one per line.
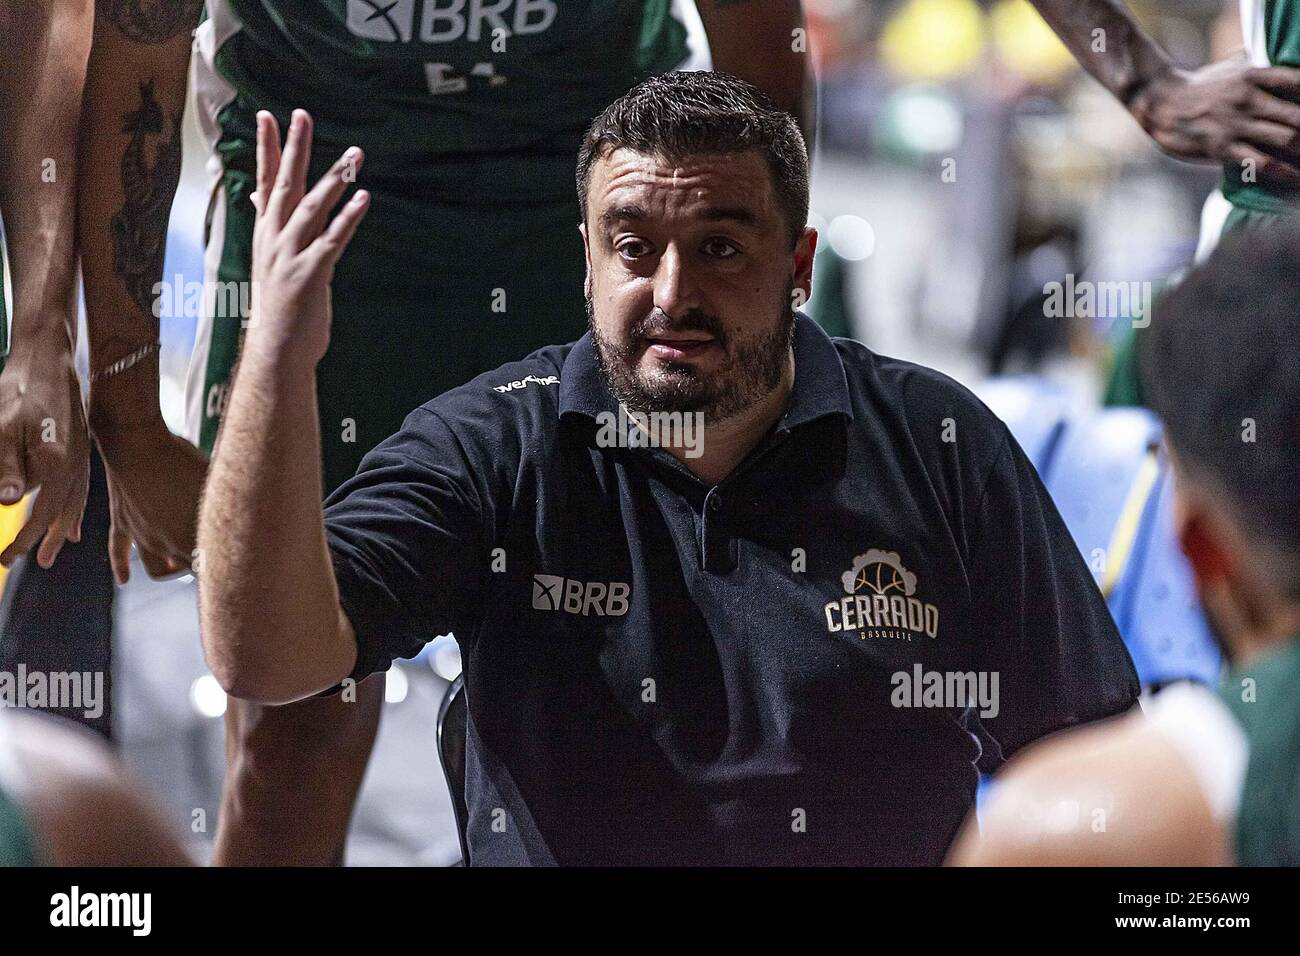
point(452, 729)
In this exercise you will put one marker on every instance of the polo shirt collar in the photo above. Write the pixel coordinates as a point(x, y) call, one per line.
point(820, 386)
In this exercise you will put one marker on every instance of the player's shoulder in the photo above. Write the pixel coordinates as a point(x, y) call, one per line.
point(1112, 793)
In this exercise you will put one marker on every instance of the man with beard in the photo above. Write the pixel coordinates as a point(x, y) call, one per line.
point(1201, 778)
point(469, 116)
point(668, 659)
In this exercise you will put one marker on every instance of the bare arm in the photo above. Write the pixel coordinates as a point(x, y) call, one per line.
point(1108, 43)
point(271, 622)
point(1227, 112)
point(292, 777)
point(43, 442)
point(1112, 794)
point(272, 626)
point(130, 163)
point(757, 40)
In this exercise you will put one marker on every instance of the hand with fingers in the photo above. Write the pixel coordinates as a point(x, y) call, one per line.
point(296, 243)
point(154, 482)
point(43, 444)
point(155, 477)
point(1228, 112)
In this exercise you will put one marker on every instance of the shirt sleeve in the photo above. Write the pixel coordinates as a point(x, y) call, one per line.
point(1039, 619)
point(405, 537)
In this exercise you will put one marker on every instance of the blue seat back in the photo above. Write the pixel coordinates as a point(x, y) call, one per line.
point(1157, 609)
point(1098, 462)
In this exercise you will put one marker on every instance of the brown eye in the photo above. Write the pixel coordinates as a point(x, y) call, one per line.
point(720, 249)
point(633, 249)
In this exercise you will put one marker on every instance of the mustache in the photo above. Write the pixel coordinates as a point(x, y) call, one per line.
point(658, 323)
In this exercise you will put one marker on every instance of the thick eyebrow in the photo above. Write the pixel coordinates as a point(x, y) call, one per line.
point(711, 214)
point(733, 213)
point(621, 214)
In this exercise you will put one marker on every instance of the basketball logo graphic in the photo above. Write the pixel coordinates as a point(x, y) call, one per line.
point(881, 572)
point(881, 601)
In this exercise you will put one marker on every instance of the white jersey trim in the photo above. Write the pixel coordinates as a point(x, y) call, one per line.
point(1214, 215)
point(212, 94)
point(1252, 32)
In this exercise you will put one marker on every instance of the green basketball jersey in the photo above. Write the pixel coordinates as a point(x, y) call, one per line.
point(1271, 32)
point(470, 113)
point(430, 88)
point(1265, 699)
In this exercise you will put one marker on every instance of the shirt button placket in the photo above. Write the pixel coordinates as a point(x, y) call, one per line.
point(718, 552)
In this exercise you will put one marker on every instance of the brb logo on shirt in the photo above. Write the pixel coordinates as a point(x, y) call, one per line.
point(880, 601)
point(445, 21)
point(554, 593)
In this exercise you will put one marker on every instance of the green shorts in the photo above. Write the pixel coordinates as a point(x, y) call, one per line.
point(427, 295)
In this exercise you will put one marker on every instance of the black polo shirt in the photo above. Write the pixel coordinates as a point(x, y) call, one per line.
point(659, 671)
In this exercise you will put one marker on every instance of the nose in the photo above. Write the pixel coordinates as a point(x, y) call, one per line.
point(676, 289)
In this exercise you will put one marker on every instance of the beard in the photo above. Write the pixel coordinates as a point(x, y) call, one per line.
point(751, 367)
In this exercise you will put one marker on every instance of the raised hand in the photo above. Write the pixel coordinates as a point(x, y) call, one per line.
point(295, 243)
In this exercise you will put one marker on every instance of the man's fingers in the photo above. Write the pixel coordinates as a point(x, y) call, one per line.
point(1282, 80)
point(268, 157)
point(1275, 109)
point(156, 565)
point(119, 553)
point(290, 179)
point(52, 543)
point(308, 220)
point(119, 543)
point(44, 508)
point(1265, 167)
point(336, 238)
point(1274, 139)
point(74, 507)
point(13, 476)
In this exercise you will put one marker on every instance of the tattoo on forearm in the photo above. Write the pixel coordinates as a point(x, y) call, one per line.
point(151, 21)
point(139, 228)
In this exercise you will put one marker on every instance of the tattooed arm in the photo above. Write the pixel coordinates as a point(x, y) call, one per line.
point(1227, 112)
point(293, 772)
point(766, 43)
point(43, 441)
point(130, 162)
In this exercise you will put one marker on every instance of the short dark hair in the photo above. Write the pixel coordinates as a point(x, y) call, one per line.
point(1221, 366)
point(681, 114)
